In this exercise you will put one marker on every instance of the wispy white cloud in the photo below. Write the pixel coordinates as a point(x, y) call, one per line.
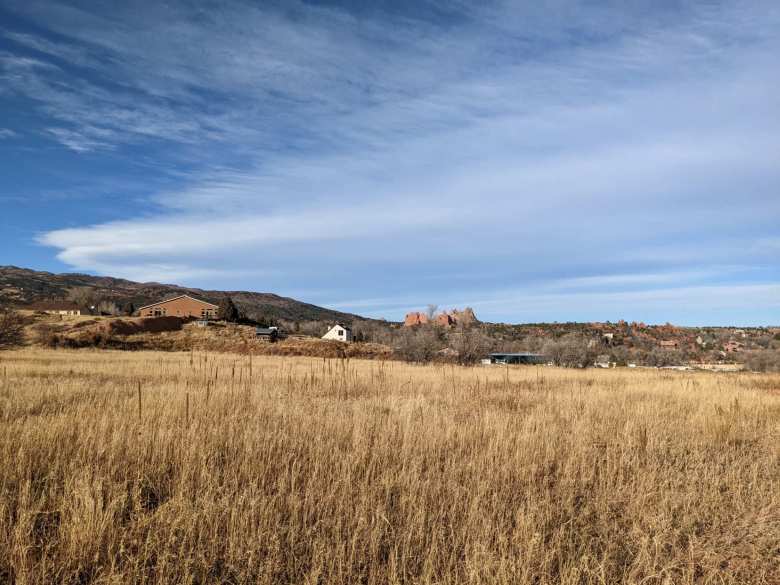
point(7, 133)
point(83, 140)
point(63, 52)
point(649, 279)
point(176, 274)
point(704, 304)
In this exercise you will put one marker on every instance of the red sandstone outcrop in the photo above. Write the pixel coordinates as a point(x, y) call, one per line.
point(416, 318)
point(464, 317)
point(444, 319)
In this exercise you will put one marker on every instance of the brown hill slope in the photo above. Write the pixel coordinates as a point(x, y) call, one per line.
point(22, 286)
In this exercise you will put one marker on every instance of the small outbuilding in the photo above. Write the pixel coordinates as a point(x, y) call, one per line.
point(267, 334)
point(56, 308)
point(517, 358)
point(339, 332)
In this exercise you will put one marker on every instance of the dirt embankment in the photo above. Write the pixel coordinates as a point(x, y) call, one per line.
point(242, 339)
point(141, 325)
point(51, 331)
point(174, 334)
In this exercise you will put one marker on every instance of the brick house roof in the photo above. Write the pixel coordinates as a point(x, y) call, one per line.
point(173, 299)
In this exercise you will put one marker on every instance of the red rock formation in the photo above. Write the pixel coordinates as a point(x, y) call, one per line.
point(416, 318)
point(445, 319)
point(464, 317)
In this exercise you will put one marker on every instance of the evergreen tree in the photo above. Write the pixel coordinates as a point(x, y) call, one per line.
point(228, 310)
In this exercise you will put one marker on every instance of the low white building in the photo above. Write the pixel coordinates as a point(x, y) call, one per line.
point(63, 308)
point(339, 332)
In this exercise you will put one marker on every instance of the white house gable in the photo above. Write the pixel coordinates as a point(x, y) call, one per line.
point(339, 333)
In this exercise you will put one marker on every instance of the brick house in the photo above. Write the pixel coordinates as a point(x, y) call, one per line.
point(181, 306)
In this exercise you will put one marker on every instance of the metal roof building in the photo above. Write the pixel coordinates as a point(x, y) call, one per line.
point(517, 358)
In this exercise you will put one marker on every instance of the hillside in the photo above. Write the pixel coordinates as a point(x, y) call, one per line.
point(22, 286)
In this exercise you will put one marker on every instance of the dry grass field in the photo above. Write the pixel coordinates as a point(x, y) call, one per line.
point(302, 470)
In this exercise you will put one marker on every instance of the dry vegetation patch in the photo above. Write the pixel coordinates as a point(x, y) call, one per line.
point(175, 334)
point(240, 469)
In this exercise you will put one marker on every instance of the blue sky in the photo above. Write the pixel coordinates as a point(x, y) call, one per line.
point(536, 161)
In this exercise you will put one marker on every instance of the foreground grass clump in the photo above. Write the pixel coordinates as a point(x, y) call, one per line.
point(296, 470)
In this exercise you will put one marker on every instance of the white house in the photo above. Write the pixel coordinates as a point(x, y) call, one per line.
point(339, 332)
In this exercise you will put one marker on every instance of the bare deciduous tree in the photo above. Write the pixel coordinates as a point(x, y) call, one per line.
point(763, 361)
point(83, 296)
point(108, 308)
point(11, 328)
point(663, 357)
point(572, 351)
point(418, 344)
point(470, 344)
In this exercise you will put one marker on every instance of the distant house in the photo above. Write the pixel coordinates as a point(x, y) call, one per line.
point(269, 334)
point(733, 346)
point(339, 332)
point(669, 344)
point(181, 306)
point(56, 308)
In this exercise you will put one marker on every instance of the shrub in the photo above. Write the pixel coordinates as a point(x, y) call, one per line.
point(571, 351)
point(46, 334)
point(763, 361)
point(228, 310)
point(470, 344)
point(418, 344)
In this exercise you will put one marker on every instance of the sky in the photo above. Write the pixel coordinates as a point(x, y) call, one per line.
point(537, 161)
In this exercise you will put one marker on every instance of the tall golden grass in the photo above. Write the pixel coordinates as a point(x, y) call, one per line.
point(300, 470)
